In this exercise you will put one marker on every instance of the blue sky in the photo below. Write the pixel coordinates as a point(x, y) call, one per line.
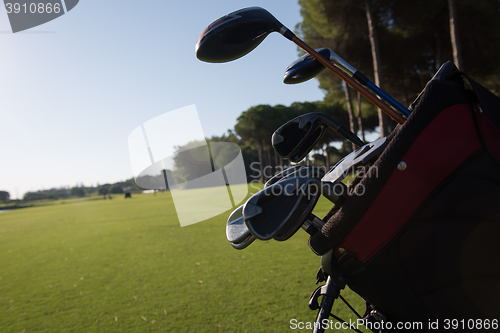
point(73, 89)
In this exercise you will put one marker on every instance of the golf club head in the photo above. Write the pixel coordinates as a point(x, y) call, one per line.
point(279, 176)
point(305, 67)
point(312, 190)
point(295, 139)
point(236, 34)
point(297, 171)
point(237, 232)
point(244, 243)
point(236, 229)
point(332, 193)
point(279, 210)
point(360, 156)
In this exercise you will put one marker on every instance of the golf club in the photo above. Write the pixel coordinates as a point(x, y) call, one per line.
point(236, 34)
point(332, 192)
point(306, 67)
point(296, 138)
point(244, 243)
point(360, 156)
point(236, 230)
point(279, 210)
point(297, 170)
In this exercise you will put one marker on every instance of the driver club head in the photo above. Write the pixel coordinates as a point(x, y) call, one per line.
point(237, 232)
point(295, 139)
point(236, 34)
point(279, 210)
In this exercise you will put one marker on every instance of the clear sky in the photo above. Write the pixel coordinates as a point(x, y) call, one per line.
point(73, 89)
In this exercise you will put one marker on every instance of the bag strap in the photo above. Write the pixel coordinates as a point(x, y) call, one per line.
point(490, 102)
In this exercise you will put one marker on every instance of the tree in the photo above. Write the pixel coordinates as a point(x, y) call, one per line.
point(424, 30)
point(197, 159)
point(51, 194)
point(116, 189)
point(151, 181)
point(359, 116)
point(192, 161)
point(455, 42)
point(341, 26)
point(256, 126)
point(4, 196)
point(377, 71)
point(413, 41)
point(77, 192)
point(352, 121)
point(103, 189)
point(249, 129)
point(248, 152)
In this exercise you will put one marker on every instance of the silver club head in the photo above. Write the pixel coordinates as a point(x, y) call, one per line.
point(237, 232)
point(279, 210)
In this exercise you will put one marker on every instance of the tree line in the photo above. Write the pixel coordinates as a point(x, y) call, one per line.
point(399, 45)
point(81, 191)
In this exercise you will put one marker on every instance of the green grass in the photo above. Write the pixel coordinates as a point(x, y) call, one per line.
point(126, 265)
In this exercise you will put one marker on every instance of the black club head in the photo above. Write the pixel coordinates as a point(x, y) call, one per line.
point(236, 34)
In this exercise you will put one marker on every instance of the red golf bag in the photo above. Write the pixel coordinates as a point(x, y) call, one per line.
point(423, 240)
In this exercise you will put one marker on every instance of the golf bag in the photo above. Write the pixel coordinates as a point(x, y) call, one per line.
point(419, 235)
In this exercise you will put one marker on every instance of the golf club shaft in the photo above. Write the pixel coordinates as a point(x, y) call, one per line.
point(330, 192)
point(353, 83)
point(344, 132)
point(313, 224)
point(386, 97)
point(330, 293)
point(362, 79)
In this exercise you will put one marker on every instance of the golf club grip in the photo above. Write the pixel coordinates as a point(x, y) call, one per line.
point(353, 83)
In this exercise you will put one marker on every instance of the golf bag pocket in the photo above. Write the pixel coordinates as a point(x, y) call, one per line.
point(422, 241)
